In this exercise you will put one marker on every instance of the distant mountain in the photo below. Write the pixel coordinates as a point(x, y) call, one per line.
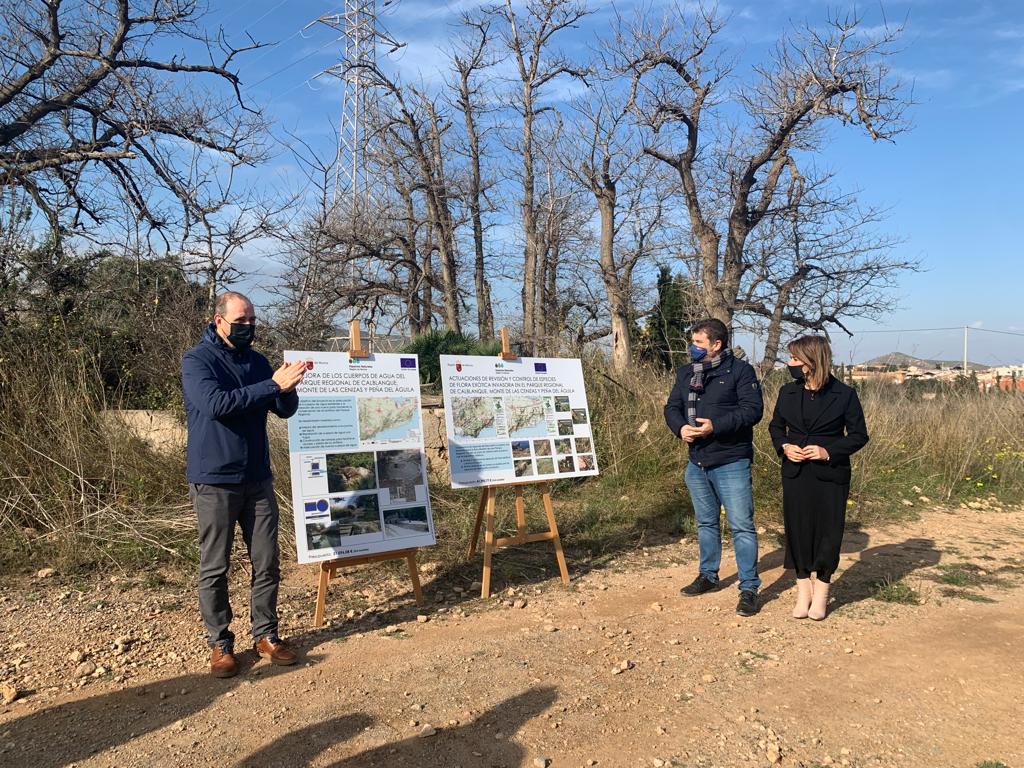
point(902, 360)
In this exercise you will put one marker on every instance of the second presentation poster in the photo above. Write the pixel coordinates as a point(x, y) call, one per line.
point(512, 421)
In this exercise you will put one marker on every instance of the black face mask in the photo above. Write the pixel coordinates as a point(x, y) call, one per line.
point(796, 371)
point(241, 335)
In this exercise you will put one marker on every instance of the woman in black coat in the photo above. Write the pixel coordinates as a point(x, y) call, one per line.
point(818, 423)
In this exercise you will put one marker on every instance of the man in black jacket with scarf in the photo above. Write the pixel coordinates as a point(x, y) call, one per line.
point(713, 407)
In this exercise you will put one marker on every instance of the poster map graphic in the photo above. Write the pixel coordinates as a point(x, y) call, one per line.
point(359, 473)
point(515, 421)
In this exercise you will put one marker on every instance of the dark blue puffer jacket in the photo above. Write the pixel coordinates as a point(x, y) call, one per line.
point(732, 400)
point(227, 396)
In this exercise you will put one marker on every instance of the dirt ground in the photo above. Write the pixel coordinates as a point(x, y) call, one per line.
point(616, 670)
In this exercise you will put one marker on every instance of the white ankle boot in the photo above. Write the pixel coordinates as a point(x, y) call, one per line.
point(803, 598)
point(819, 600)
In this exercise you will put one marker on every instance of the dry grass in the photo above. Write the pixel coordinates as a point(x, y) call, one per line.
point(76, 489)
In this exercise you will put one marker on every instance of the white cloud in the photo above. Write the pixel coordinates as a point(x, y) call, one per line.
point(935, 79)
point(1013, 32)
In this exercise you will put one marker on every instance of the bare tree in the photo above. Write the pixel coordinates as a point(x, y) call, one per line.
point(90, 109)
point(819, 265)
point(528, 36)
point(732, 177)
point(373, 261)
point(411, 130)
point(226, 221)
point(630, 198)
point(471, 57)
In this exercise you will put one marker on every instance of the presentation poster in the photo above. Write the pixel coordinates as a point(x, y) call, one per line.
point(513, 421)
point(359, 474)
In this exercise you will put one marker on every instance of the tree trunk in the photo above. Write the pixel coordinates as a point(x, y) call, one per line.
point(551, 312)
point(529, 292)
point(211, 289)
point(427, 318)
point(616, 290)
point(429, 156)
point(484, 312)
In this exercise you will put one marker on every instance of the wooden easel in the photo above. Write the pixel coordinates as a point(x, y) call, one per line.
point(487, 503)
point(329, 568)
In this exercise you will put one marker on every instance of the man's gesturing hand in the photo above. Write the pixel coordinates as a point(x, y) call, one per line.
point(289, 375)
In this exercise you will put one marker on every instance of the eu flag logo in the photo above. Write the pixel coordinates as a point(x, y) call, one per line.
point(540, 367)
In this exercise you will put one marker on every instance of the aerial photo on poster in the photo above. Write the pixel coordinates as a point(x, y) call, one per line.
point(512, 421)
point(359, 473)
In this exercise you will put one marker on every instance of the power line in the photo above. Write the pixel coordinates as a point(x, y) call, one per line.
point(993, 330)
point(309, 55)
point(261, 18)
point(267, 50)
point(948, 328)
point(231, 15)
point(910, 330)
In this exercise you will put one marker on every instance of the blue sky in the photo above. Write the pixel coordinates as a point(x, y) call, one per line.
point(951, 183)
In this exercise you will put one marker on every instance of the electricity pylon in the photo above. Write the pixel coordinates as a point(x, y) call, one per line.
point(362, 33)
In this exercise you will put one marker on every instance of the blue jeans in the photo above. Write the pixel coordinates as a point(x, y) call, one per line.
point(726, 486)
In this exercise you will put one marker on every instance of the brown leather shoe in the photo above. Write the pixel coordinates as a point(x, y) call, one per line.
point(278, 653)
point(222, 663)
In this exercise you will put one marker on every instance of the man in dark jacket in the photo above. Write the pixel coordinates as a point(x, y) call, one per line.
point(229, 388)
point(713, 407)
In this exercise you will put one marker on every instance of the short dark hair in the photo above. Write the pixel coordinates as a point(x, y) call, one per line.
point(220, 306)
point(714, 329)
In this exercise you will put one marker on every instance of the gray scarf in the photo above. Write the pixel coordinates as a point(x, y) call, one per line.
point(697, 383)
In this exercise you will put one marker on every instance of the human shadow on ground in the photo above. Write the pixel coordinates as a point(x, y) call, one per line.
point(891, 562)
point(301, 747)
point(73, 731)
point(855, 539)
point(468, 744)
point(887, 562)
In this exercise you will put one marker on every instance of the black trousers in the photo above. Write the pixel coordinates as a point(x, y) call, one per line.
point(814, 513)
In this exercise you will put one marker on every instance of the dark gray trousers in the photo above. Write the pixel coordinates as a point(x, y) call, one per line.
point(254, 507)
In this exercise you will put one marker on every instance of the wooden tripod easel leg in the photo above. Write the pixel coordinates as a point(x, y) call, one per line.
point(414, 576)
point(520, 514)
point(321, 595)
point(556, 539)
point(479, 519)
point(485, 589)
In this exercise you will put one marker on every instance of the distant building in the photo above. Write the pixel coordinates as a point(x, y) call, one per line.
point(873, 373)
point(1004, 378)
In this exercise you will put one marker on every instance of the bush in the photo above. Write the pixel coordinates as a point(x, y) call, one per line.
point(429, 346)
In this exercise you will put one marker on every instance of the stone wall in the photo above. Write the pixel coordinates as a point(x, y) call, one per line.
point(160, 429)
point(435, 440)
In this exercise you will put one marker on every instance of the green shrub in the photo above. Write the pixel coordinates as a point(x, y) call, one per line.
point(429, 346)
point(889, 591)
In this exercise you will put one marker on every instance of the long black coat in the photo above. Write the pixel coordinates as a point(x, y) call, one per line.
point(839, 429)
